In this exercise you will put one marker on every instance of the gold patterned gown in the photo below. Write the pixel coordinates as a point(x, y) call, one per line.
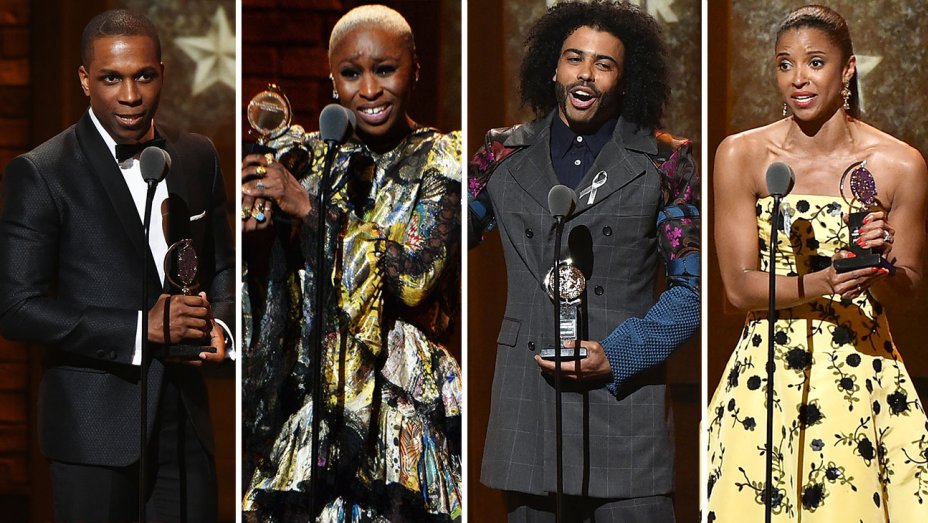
point(850, 434)
point(390, 437)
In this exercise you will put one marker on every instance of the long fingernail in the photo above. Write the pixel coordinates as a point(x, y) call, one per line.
point(868, 218)
point(851, 255)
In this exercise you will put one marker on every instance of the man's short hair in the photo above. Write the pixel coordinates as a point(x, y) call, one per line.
point(645, 78)
point(116, 22)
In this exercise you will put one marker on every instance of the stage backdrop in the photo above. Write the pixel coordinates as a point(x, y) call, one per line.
point(497, 32)
point(39, 97)
point(743, 94)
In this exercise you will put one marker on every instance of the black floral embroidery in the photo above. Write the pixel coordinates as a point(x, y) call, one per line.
point(842, 335)
point(810, 415)
point(853, 360)
point(898, 402)
point(798, 359)
point(812, 496)
point(834, 356)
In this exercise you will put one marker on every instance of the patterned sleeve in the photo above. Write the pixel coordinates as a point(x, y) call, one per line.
point(414, 257)
point(641, 343)
point(480, 217)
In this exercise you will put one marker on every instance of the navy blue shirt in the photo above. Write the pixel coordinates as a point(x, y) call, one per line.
point(572, 154)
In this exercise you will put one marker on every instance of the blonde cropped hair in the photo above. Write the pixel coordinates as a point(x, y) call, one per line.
point(375, 15)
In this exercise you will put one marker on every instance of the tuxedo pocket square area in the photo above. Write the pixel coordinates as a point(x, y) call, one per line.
point(198, 216)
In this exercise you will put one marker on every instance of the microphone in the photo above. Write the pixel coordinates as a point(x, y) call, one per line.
point(780, 179)
point(561, 202)
point(154, 163)
point(336, 123)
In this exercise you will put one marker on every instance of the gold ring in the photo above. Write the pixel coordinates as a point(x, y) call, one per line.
point(261, 170)
point(268, 158)
point(260, 206)
point(246, 213)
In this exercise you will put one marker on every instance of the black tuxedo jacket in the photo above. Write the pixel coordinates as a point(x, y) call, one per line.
point(72, 255)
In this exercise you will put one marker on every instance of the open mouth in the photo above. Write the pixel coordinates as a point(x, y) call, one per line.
point(582, 97)
point(375, 115)
point(803, 100)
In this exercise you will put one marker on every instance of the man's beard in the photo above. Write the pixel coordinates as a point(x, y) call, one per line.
point(609, 105)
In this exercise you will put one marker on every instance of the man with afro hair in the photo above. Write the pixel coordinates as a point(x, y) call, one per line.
point(595, 74)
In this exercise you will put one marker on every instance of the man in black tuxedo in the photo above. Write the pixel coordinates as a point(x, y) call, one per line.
point(72, 257)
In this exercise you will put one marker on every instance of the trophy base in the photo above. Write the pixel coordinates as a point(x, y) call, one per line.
point(862, 261)
point(547, 353)
point(185, 352)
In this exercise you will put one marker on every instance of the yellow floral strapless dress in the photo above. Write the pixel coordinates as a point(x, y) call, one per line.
point(850, 434)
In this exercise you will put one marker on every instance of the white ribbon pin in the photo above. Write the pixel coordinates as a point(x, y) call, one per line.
point(598, 181)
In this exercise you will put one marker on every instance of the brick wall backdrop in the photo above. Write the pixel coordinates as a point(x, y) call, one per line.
point(15, 105)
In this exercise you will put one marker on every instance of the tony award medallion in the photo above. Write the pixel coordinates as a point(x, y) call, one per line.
point(180, 266)
point(573, 283)
point(180, 270)
point(268, 114)
point(862, 202)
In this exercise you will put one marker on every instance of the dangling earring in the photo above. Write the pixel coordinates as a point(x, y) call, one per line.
point(846, 94)
point(334, 91)
point(785, 109)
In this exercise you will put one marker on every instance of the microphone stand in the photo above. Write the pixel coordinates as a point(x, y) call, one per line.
point(558, 429)
point(771, 324)
point(146, 354)
point(321, 276)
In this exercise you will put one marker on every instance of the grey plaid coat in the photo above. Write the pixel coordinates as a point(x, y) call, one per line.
point(614, 446)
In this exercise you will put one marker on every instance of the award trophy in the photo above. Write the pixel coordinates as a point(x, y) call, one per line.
point(269, 115)
point(863, 189)
point(573, 283)
point(180, 270)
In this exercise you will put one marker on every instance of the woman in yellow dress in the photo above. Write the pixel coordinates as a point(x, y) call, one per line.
point(850, 435)
point(390, 434)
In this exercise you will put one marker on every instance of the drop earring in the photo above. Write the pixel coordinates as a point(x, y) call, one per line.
point(846, 94)
point(785, 109)
point(334, 91)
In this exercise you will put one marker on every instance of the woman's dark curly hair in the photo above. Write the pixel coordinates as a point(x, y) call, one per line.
point(645, 79)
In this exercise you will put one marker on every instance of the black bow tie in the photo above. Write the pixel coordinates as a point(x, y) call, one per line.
point(124, 151)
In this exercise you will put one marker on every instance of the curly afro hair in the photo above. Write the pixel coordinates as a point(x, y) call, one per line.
point(644, 74)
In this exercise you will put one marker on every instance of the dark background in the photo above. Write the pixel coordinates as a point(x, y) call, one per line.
point(743, 95)
point(40, 96)
point(286, 42)
point(496, 32)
